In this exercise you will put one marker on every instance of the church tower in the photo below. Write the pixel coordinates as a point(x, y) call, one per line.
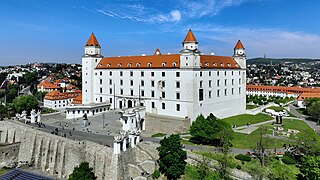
point(190, 54)
point(239, 55)
point(90, 59)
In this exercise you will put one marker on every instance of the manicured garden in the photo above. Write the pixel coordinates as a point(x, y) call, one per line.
point(249, 106)
point(244, 119)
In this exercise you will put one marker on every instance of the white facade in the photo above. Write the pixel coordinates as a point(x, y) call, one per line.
point(56, 104)
point(271, 93)
point(183, 92)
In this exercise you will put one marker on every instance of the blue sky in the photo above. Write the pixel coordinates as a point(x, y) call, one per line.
point(56, 31)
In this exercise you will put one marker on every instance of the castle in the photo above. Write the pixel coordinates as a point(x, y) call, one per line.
point(181, 85)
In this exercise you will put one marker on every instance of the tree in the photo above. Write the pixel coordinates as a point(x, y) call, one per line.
point(172, 157)
point(82, 172)
point(279, 171)
point(30, 78)
point(27, 103)
point(207, 130)
point(310, 142)
point(261, 147)
point(203, 167)
point(314, 110)
point(310, 167)
point(3, 111)
point(309, 101)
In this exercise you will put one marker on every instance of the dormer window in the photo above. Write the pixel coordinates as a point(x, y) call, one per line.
point(174, 64)
point(206, 64)
point(228, 65)
point(163, 64)
point(138, 64)
point(237, 65)
point(129, 65)
point(119, 65)
point(221, 64)
point(99, 65)
point(149, 64)
point(108, 65)
point(214, 64)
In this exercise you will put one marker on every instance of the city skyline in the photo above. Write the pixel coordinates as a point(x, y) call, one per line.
point(56, 31)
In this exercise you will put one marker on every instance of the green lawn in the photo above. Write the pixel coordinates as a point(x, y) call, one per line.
point(2, 171)
point(251, 106)
point(245, 141)
point(243, 119)
point(158, 135)
point(191, 173)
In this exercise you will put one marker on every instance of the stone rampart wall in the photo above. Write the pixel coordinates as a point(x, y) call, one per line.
point(166, 124)
point(57, 155)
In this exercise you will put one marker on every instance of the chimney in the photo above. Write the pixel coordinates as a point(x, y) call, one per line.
point(143, 54)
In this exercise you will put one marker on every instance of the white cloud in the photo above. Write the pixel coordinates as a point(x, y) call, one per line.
point(175, 15)
point(273, 42)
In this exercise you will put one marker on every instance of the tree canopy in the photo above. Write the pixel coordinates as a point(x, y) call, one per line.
point(172, 157)
point(27, 103)
point(211, 130)
point(310, 167)
point(82, 172)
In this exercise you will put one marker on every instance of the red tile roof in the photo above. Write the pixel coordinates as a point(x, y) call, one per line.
point(92, 41)
point(304, 96)
point(47, 85)
point(55, 95)
point(164, 61)
point(190, 37)
point(77, 100)
point(296, 90)
point(239, 45)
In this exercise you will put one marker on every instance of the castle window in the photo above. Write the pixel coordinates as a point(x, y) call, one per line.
point(163, 94)
point(99, 65)
point(186, 64)
point(163, 64)
point(138, 64)
point(119, 65)
point(163, 74)
point(100, 90)
point(131, 92)
point(110, 91)
point(121, 82)
point(110, 81)
point(142, 83)
point(152, 83)
point(152, 105)
point(210, 94)
point(177, 84)
point(121, 91)
point(152, 74)
point(225, 73)
point(152, 93)
point(100, 73)
point(186, 58)
point(142, 73)
point(177, 95)
point(178, 107)
point(129, 65)
point(149, 64)
point(232, 91)
point(201, 74)
point(131, 73)
point(177, 74)
point(210, 83)
point(142, 93)
point(100, 81)
point(131, 82)
point(237, 65)
point(232, 73)
point(163, 106)
point(110, 73)
point(209, 73)
point(174, 64)
point(225, 92)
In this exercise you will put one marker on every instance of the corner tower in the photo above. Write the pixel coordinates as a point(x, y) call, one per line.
point(90, 59)
point(239, 55)
point(190, 54)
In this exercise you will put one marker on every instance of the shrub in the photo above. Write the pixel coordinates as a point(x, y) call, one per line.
point(243, 157)
point(288, 160)
point(238, 167)
point(158, 135)
point(155, 174)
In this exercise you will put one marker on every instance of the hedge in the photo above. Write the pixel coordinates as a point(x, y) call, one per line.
point(243, 157)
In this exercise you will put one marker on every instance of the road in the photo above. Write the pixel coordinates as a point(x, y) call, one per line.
point(25, 91)
point(304, 118)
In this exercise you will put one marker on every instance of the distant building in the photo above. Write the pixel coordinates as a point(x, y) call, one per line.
point(300, 99)
point(181, 85)
point(58, 100)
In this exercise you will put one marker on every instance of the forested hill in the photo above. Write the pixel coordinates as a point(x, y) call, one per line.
point(278, 61)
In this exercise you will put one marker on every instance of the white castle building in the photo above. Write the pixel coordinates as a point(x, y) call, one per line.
point(181, 85)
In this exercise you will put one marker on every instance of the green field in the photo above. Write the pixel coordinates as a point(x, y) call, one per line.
point(245, 141)
point(243, 119)
point(248, 106)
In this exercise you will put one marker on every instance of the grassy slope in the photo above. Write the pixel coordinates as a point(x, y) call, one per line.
point(243, 119)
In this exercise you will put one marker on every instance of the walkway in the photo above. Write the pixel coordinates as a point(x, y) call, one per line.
point(304, 118)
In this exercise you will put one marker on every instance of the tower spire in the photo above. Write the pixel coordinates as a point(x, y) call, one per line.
point(92, 41)
point(190, 37)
